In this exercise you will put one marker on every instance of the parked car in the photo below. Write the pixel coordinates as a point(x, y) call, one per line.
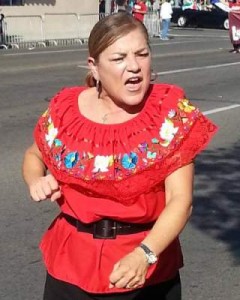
point(215, 17)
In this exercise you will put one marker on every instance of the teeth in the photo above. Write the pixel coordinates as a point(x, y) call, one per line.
point(133, 80)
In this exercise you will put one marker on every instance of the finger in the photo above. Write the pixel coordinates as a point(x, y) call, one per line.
point(55, 195)
point(114, 276)
point(52, 182)
point(116, 266)
point(128, 286)
point(119, 280)
point(41, 194)
point(111, 285)
point(135, 283)
point(136, 280)
point(46, 189)
point(34, 196)
point(121, 283)
point(124, 280)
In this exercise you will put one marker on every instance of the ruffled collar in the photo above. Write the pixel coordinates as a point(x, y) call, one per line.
point(92, 156)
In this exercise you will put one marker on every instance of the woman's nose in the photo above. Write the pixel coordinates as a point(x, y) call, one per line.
point(132, 64)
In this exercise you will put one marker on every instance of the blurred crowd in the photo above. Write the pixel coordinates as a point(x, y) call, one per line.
point(154, 5)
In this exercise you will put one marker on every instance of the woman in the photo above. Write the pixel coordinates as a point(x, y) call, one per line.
point(119, 155)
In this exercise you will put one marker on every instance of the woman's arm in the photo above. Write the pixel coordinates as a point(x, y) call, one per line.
point(41, 186)
point(131, 270)
point(179, 193)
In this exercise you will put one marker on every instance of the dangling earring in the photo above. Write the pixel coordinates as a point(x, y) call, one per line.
point(98, 85)
point(154, 76)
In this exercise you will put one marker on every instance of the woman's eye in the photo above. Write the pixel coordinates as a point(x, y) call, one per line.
point(144, 54)
point(117, 59)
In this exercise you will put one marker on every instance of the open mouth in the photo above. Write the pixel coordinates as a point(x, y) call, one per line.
point(134, 80)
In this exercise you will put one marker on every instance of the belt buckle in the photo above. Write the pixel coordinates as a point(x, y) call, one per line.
point(105, 229)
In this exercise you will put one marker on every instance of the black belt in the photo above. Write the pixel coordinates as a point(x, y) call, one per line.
point(107, 228)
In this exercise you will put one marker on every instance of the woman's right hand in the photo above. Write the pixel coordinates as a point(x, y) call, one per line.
point(45, 187)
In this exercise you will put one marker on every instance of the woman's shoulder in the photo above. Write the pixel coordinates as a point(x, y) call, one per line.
point(166, 88)
point(65, 102)
point(166, 95)
point(66, 94)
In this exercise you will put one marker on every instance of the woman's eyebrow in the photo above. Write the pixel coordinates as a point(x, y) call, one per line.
point(137, 51)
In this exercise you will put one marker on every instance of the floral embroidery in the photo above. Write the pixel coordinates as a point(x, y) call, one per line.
point(155, 141)
point(57, 143)
point(143, 147)
point(52, 133)
point(129, 161)
point(167, 132)
point(71, 160)
point(101, 163)
point(186, 106)
point(176, 124)
point(151, 155)
point(172, 113)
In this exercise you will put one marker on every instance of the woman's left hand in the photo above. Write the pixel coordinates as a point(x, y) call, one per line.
point(130, 271)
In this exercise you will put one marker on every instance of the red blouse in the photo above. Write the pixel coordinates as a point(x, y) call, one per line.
point(115, 171)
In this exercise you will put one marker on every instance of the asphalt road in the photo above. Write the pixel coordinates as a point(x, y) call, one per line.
point(198, 60)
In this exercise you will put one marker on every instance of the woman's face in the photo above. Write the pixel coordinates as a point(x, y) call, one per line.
point(124, 70)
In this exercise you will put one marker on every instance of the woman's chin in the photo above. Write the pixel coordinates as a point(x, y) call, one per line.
point(133, 100)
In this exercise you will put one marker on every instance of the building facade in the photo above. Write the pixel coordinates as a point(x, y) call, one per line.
point(46, 22)
point(33, 7)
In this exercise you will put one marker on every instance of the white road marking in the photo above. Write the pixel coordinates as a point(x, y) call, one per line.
point(217, 110)
point(45, 52)
point(198, 68)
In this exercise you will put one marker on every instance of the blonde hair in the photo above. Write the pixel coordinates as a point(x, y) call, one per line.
point(106, 31)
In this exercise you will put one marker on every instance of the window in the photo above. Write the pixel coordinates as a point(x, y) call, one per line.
point(11, 2)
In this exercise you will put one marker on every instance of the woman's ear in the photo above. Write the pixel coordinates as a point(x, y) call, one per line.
point(93, 67)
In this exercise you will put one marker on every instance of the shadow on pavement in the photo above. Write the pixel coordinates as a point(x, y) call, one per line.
point(217, 201)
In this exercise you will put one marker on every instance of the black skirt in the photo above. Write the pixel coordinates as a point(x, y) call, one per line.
point(59, 290)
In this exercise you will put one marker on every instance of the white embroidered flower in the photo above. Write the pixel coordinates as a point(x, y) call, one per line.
point(101, 163)
point(172, 113)
point(52, 133)
point(167, 132)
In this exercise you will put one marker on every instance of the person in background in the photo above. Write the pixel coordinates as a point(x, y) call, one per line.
point(122, 5)
point(165, 19)
point(1, 28)
point(156, 6)
point(187, 4)
point(101, 9)
point(102, 6)
point(149, 5)
point(117, 156)
point(234, 4)
point(131, 3)
point(139, 10)
point(234, 28)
